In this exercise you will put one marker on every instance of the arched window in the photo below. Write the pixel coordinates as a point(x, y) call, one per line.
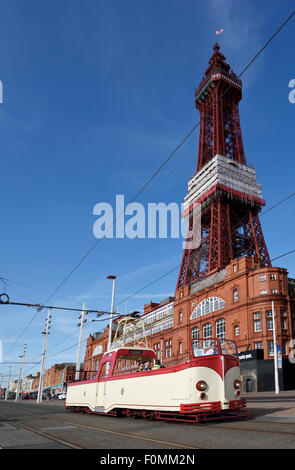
point(220, 328)
point(97, 350)
point(207, 333)
point(207, 306)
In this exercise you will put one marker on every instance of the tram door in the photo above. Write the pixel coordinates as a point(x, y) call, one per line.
point(101, 387)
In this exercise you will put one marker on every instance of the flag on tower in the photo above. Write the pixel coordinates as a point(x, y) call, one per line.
point(219, 31)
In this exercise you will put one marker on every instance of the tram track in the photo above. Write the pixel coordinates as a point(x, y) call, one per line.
point(95, 428)
point(18, 421)
point(60, 420)
point(41, 433)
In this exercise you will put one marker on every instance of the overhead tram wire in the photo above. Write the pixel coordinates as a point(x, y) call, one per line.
point(152, 177)
point(34, 316)
point(37, 290)
point(54, 307)
point(243, 219)
point(277, 204)
point(167, 159)
point(40, 307)
point(105, 319)
point(255, 57)
point(148, 285)
point(284, 254)
point(178, 266)
point(76, 344)
point(122, 213)
point(70, 347)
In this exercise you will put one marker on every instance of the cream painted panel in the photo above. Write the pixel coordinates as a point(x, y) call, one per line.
point(231, 375)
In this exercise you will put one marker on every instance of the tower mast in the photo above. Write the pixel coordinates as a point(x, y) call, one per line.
point(223, 184)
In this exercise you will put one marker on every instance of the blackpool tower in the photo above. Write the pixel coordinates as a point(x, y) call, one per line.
point(224, 187)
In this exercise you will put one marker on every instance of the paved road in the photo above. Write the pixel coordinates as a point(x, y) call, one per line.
point(49, 426)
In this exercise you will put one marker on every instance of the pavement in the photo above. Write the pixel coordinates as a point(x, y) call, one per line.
point(266, 405)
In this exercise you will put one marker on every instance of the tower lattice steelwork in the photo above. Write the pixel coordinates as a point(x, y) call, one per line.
point(223, 184)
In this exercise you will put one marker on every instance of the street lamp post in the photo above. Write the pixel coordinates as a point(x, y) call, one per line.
point(112, 311)
point(277, 388)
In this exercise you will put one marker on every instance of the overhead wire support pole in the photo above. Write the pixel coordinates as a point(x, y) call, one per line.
point(81, 324)
point(112, 311)
point(41, 378)
point(19, 382)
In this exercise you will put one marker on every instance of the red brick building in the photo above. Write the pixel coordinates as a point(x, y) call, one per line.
point(58, 375)
point(36, 381)
point(235, 303)
point(97, 345)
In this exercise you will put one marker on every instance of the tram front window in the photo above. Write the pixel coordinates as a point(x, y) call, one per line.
point(205, 347)
point(130, 363)
point(228, 348)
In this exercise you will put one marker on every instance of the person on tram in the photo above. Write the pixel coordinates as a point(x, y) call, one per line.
point(157, 365)
point(141, 368)
point(149, 365)
point(213, 349)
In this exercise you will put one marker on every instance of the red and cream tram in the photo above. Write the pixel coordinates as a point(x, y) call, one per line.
point(205, 386)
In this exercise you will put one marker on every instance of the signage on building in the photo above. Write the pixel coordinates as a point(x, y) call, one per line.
point(251, 355)
point(279, 351)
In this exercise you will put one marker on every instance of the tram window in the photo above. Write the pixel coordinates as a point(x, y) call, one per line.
point(104, 372)
point(129, 364)
point(206, 347)
point(228, 348)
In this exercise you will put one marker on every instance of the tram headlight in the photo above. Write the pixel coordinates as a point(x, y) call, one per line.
point(201, 385)
point(237, 384)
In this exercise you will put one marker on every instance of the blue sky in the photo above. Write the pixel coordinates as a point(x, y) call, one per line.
point(96, 95)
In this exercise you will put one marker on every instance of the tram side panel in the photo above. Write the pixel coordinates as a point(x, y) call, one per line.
point(165, 391)
point(82, 395)
point(156, 390)
point(148, 391)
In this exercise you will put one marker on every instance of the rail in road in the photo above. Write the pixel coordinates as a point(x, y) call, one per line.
point(52, 426)
point(58, 424)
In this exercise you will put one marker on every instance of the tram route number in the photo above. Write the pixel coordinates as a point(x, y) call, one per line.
point(149, 459)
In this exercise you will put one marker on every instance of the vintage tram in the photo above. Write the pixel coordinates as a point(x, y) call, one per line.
point(204, 386)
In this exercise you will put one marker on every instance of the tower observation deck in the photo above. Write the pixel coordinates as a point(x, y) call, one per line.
point(223, 184)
